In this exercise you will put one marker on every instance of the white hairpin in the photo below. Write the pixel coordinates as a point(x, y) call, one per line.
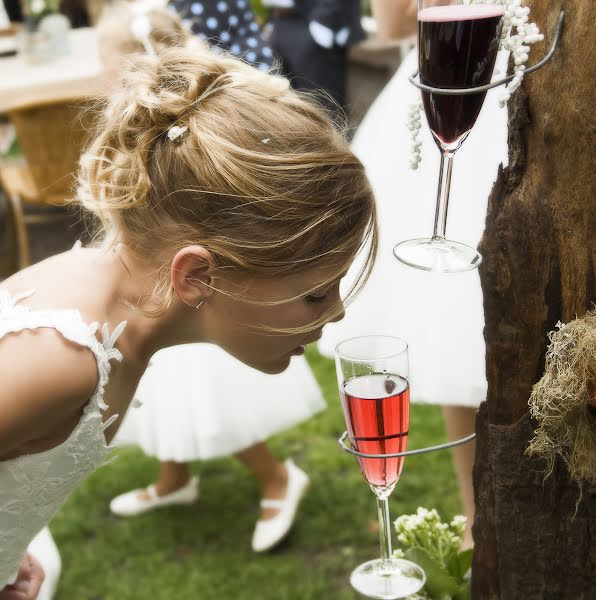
point(176, 132)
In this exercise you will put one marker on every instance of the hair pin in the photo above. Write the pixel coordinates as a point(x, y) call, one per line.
point(176, 132)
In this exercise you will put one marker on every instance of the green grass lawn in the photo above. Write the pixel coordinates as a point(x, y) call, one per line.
point(203, 551)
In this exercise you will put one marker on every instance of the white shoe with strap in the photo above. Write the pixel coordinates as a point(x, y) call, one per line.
point(268, 533)
point(133, 503)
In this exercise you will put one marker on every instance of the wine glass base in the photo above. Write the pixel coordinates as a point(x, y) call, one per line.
point(437, 255)
point(374, 580)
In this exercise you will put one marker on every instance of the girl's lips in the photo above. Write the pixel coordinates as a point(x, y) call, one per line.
point(300, 349)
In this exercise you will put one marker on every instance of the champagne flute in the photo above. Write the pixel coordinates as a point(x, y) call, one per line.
point(457, 48)
point(372, 373)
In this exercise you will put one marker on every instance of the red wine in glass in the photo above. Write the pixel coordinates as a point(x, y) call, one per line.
point(377, 408)
point(457, 48)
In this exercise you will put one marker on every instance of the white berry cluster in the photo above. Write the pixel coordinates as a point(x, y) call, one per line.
point(526, 33)
point(518, 43)
point(414, 127)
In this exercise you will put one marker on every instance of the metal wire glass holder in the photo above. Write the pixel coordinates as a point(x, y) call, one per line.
point(415, 78)
point(464, 440)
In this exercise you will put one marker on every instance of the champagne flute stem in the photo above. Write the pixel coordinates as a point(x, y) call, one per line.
point(384, 531)
point(443, 195)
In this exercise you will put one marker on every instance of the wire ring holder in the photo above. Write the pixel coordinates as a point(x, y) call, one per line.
point(415, 78)
point(464, 440)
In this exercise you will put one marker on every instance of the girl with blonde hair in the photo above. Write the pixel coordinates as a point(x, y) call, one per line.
point(230, 208)
point(235, 408)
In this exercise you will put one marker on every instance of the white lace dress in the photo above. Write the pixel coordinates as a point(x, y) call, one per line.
point(33, 487)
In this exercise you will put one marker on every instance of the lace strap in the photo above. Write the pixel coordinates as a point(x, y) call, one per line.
point(8, 302)
point(70, 324)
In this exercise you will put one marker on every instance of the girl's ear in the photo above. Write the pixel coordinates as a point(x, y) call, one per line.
point(191, 274)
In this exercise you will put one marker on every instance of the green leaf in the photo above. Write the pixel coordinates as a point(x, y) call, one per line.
point(460, 563)
point(439, 582)
point(465, 591)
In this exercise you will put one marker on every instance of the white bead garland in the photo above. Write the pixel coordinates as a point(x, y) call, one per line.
point(526, 33)
point(414, 127)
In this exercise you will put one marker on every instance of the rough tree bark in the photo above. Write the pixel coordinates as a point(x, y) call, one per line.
point(540, 256)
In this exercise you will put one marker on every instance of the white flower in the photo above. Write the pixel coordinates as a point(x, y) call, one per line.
point(37, 6)
point(426, 530)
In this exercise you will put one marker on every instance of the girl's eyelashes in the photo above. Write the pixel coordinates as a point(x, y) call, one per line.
point(316, 299)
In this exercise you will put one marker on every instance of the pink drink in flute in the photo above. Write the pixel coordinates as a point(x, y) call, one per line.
point(378, 415)
point(372, 374)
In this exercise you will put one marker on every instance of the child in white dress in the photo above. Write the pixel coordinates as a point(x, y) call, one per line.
point(208, 235)
point(236, 408)
point(233, 411)
point(441, 315)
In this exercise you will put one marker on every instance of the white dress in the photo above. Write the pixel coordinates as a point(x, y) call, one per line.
point(34, 486)
point(440, 315)
point(198, 402)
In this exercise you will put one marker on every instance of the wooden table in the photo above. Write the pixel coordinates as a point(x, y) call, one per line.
point(73, 76)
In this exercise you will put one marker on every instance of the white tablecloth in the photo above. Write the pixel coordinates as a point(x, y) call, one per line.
point(72, 76)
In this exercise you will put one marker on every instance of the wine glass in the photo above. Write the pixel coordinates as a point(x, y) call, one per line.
point(457, 48)
point(372, 374)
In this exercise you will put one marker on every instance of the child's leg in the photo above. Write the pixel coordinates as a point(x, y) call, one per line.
point(174, 486)
point(459, 422)
point(270, 472)
point(172, 477)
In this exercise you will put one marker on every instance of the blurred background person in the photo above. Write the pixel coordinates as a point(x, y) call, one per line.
point(312, 39)
point(227, 24)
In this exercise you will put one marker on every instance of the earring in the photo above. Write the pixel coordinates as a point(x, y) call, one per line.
point(200, 304)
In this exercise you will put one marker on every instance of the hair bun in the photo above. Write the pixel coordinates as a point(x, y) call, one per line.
point(171, 84)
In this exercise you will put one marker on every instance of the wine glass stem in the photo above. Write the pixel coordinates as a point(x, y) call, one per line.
point(384, 530)
point(443, 195)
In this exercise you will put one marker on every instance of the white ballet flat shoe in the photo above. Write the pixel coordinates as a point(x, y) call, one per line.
point(268, 533)
point(129, 504)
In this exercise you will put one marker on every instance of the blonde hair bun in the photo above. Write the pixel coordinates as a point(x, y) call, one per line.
point(261, 178)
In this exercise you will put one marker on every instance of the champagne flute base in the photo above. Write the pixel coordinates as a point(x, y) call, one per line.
point(388, 580)
point(437, 255)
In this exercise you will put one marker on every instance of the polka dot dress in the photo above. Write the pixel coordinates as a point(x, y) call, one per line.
point(226, 24)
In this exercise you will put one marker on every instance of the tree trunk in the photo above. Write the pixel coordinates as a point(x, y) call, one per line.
point(539, 251)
